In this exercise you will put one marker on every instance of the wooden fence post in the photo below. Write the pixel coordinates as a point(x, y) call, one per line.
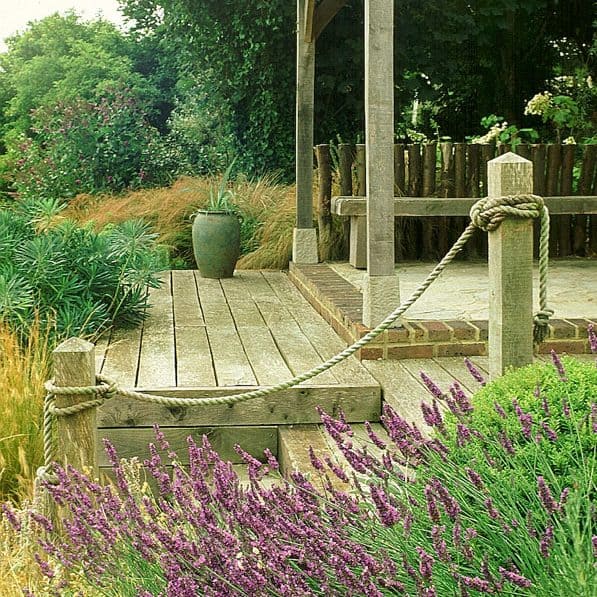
point(74, 366)
point(324, 201)
point(510, 270)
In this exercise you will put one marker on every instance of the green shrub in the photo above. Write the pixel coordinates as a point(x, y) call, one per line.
point(539, 391)
point(74, 279)
point(83, 146)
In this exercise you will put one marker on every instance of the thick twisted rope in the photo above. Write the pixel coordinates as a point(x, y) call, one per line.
point(486, 214)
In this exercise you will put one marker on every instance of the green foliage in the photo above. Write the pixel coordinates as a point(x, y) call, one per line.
point(539, 391)
point(221, 196)
point(84, 147)
point(75, 280)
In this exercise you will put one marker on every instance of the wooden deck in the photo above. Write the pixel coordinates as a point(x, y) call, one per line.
point(205, 337)
point(215, 337)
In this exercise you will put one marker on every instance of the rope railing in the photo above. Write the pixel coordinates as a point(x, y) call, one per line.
point(486, 214)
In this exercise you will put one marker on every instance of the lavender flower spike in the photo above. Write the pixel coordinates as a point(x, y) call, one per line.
point(558, 365)
point(431, 386)
point(592, 339)
point(477, 375)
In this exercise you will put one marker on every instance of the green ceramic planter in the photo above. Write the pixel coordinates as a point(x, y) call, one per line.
point(216, 243)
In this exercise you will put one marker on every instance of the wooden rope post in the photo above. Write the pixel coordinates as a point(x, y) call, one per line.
point(510, 270)
point(74, 366)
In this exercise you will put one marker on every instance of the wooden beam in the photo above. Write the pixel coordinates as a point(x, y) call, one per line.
point(324, 13)
point(455, 206)
point(309, 17)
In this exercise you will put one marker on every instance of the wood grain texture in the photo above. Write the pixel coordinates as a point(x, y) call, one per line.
point(135, 442)
point(231, 364)
point(157, 364)
point(455, 206)
point(510, 341)
point(74, 365)
point(286, 407)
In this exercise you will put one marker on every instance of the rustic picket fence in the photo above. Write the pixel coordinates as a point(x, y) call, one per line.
point(458, 170)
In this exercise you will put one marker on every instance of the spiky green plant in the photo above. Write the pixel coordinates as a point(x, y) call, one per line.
point(80, 280)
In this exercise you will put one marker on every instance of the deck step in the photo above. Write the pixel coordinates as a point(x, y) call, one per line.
point(293, 453)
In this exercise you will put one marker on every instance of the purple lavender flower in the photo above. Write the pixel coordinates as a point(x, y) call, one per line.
point(463, 435)
point(558, 365)
point(546, 541)
point(499, 410)
point(549, 433)
point(594, 417)
point(461, 398)
point(439, 543)
point(525, 419)
point(477, 375)
point(491, 509)
point(425, 564)
point(592, 338)
point(506, 443)
point(431, 414)
point(388, 513)
point(563, 498)
point(431, 386)
point(515, 578)
point(566, 408)
point(315, 462)
point(377, 441)
point(474, 582)
point(545, 495)
point(475, 478)
point(594, 541)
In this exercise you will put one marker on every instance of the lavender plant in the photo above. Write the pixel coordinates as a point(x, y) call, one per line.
point(420, 515)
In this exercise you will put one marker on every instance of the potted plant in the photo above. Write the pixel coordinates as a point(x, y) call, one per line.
point(216, 232)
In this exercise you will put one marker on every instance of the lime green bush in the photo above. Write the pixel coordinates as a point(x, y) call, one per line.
point(557, 408)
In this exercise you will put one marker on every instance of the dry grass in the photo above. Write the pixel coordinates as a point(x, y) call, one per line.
point(267, 207)
point(23, 371)
point(18, 568)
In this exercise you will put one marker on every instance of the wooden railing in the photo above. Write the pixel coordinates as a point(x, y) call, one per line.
point(459, 170)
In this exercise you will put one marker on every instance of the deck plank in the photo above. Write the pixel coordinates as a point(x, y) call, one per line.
point(187, 309)
point(122, 356)
point(296, 349)
point(401, 390)
point(263, 354)
point(194, 363)
point(286, 407)
point(324, 339)
point(135, 442)
point(157, 360)
point(457, 369)
point(101, 348)
point(230, 360)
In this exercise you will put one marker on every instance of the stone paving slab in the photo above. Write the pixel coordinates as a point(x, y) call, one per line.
point(450, 319)
point(461, 292)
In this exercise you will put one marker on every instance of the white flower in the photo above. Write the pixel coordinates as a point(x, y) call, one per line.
point(538, 104)
point(569, 141)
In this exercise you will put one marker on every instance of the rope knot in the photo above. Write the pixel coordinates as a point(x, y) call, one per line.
point(541, 327)
point(489, 212)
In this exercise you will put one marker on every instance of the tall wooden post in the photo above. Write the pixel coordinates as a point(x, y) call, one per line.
point(74, 365)
point(304, 247)
point(510, 270)
point(380, 291)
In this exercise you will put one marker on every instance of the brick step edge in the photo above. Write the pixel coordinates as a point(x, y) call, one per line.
point(427, 339)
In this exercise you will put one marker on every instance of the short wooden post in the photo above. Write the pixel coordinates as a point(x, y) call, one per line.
point(510, 270)
point(74, 366)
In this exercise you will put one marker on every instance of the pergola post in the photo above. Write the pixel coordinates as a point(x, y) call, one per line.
point(381, 293)
point(304, 246)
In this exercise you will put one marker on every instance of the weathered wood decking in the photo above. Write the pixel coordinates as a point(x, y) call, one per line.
point(206, 337)
point(215, 337)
